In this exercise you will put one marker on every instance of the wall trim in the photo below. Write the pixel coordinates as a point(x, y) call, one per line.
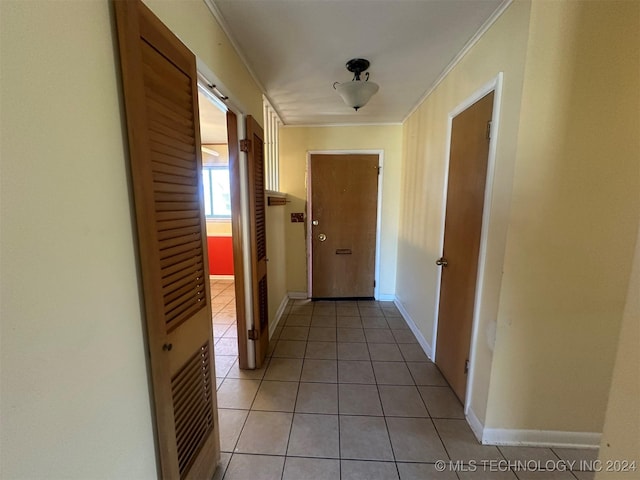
point(221, 277)
point(386, 297)
point(414, 328)
point(540, 438)
point(461, 54)
point(513, 437)
point(297, 295)
point(360, 124)
point(380, 154)
point(474, 422)
point(219, 18)
point(279, 314)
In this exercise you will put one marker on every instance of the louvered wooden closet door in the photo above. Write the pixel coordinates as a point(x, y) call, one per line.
point(160, 91)
point(257, 203)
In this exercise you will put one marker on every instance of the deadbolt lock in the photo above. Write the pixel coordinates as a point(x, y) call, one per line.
point(315, 222)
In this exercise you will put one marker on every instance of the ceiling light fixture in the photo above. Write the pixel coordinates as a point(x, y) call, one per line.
point(357, 92)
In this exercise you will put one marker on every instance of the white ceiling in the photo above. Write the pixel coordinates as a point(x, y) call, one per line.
point(297, 49)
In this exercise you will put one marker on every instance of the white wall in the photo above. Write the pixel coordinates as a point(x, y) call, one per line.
point(75, 401)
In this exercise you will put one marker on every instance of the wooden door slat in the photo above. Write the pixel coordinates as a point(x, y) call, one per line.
point(181, 161)
point(173, 148)
point(159, 79)
point(170, 252)
point(168, 262)
point(165, 178)
point(176, 206)
point(169, 121)
point(177, 318)
point(160, 133)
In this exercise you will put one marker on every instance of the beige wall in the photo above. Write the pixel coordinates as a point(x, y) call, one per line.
point(295, 142)
point(501, 49)
point(74, 394)
point(563, 215)
point(75, 401)
point(621, 435)
point(574, 218)
point(276, 253)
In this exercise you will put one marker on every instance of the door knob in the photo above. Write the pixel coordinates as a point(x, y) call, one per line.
point(167, 347)
point(322, 237)
point(442, 262)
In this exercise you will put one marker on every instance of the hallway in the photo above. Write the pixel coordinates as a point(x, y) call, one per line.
point(349, 394)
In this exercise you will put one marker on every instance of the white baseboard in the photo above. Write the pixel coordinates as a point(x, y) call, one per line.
point(386, 297)
point(531, 438)
point(540, 438)
point(276, 321)
point(414, 328)
point(222, 277)
point(476, 425)
point(298, 295)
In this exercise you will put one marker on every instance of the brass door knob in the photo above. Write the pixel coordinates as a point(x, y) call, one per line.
point(322, 237)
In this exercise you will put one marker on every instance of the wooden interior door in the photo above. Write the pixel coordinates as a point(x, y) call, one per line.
point(160, 92)
point(344, 202)
point(235, 180)
point(463, 224)
point(253, 145)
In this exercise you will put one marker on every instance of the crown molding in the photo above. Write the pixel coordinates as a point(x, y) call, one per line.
point(468, 46)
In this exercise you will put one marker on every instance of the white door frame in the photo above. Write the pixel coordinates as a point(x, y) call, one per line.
point(494, 85)
point(207, 78)
point(380, 153)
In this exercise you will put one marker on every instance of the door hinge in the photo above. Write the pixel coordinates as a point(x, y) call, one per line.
point(253, 334)
point(379, 169)
point(374, 284)
point(489, 130)
point(466, 366)
point(245, 145)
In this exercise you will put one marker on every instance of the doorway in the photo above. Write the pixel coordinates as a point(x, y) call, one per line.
point(467, 178)
point(218, 215)
point(343, 211)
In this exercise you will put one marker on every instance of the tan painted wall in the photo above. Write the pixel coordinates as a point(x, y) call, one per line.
point(196, 26)
point(501, 49)
point(74, 395)
point(276, 253)
point(295, 142)
point(74, 378)
point(621, 435)
point(574, 218)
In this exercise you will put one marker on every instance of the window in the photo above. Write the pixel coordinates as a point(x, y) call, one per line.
point(217, 198)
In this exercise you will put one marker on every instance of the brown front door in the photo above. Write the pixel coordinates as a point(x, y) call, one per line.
point(463, 223)
point(254, 147)
point(160, 91)
point(344, 198)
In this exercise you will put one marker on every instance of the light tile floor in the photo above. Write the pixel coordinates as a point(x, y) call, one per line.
point(347, 393)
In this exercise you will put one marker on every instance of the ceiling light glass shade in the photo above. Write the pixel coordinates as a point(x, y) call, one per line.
point(356, 93)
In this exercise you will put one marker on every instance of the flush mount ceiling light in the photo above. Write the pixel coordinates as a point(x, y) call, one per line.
point(357, 92)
